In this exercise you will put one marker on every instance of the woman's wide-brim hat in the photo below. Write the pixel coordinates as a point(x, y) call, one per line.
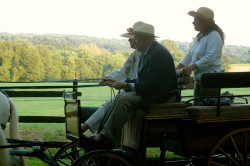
point(204, 13)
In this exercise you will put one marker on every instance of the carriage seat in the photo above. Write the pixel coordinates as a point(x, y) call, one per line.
point(231, 112)
point(167, 111)
point(170, 110)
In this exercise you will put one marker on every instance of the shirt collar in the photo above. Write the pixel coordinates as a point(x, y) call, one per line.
point(145, 52)
point(200, 35)
point(205, 34)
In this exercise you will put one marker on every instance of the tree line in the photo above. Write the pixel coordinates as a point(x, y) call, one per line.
point(44, 58)
point(24, 61)
point(238, 53)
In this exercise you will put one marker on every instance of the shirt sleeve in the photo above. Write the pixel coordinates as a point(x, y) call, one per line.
point(213, 49)
point(187, 59)
point(123, 72)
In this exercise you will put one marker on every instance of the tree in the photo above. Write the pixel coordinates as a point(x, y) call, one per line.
point(235, 59)
point(226, 61)
point(50, 69)
point(248, 56)
point(6, 55)
point(112, 62)
point(17, 73)
point(173, 48)
point(69, 68)
point(31, 61)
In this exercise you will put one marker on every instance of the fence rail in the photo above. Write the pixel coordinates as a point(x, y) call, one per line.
point(41, 119)
point(23, 91)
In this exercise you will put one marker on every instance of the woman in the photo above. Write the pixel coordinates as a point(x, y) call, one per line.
point(205, 54)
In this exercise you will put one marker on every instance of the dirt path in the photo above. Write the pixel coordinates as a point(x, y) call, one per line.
point(239, 68)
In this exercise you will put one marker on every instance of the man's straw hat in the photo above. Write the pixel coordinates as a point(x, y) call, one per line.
point(140, 28)
point(143, 28)
point(128, 34)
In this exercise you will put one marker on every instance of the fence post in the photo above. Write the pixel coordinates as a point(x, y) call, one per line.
point(75, 83)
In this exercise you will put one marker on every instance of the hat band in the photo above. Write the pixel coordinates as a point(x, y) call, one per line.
point(146, 33)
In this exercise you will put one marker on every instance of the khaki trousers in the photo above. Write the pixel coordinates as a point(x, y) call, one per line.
point(123, 109)
point(132, 129)
point(126, 120)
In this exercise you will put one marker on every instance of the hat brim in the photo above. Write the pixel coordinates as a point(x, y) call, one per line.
point(127, 35)
point(195, 14)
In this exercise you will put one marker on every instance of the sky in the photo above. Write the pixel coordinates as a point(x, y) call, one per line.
point(111, 18)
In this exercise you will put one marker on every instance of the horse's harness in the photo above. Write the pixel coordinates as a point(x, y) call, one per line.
point(3, 126)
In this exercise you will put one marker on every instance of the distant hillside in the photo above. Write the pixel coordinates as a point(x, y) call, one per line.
point(69, 40)
point(238, 54)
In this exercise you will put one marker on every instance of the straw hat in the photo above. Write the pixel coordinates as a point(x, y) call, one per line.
point(140, 28)
point(143, 28)
point(128, 34)
point(204, 13)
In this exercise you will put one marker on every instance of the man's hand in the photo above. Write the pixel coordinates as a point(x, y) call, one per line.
point(107, 80)
point(114, 83)
point(119, 85)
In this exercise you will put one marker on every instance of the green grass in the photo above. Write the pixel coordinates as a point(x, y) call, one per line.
point(246, 64)
point(92, 96)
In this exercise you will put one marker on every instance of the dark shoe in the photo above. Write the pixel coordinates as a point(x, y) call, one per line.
point(130, 152)
point(91, 144)
point(91, 136)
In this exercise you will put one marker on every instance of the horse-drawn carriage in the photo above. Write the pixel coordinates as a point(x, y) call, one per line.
point(204, 135)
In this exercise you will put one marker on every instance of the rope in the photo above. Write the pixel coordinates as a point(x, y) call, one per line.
point(108, 111)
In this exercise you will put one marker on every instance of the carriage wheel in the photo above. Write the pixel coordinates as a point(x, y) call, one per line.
point(68, 153)
point(232, 149)
point(101, 158)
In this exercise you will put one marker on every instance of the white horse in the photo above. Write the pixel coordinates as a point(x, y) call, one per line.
point(8, 112)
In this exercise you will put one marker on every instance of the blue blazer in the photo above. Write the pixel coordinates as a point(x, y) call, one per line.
point(156, 77)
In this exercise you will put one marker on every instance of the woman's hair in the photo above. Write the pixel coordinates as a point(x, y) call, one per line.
point(213, 26)
point(219, 30)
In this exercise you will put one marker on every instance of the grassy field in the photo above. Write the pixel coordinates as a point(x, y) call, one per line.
point(91, 96)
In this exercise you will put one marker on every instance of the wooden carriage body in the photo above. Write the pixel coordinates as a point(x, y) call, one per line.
point(204, 131)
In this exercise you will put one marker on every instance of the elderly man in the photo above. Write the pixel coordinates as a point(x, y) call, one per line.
point(156, 78)
point(127, 71)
